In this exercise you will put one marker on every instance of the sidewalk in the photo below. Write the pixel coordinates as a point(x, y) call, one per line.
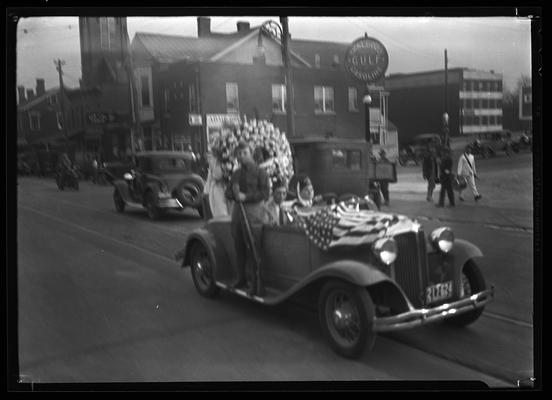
point(502, 205)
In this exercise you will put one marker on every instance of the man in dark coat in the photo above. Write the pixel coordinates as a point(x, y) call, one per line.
point(445, 178)
point(250, 186)
point(430, 171)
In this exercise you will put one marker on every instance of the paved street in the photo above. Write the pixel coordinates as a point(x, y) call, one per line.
point(102, 300)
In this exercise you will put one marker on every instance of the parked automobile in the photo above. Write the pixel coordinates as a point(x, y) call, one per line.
point(341, 168)
point(160, 181)
point(399, 281)
point(414, 150)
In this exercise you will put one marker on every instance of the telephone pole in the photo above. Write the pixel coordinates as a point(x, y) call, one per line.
point(287, 70)
point(58, 63)
point(445, 114)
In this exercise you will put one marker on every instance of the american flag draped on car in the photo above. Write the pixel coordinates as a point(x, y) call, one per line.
point(340, 225)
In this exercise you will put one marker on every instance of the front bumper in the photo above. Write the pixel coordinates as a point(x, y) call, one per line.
point(413, 318)
point(169, 203)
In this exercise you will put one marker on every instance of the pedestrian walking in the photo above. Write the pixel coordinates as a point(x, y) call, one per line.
point(445, 178)
point(383, 184)
point(430, 171)
point(466, 169)
point(250, 186)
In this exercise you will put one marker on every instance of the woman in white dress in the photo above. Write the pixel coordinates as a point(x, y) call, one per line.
point(215, 188)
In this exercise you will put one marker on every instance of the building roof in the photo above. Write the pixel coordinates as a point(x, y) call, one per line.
point(37, 100)
point(170, 48)
point(326, 50)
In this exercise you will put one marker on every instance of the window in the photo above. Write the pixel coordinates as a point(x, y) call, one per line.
point(166, 99)
point(375, 137)
point(484, 120)
point(232, 103)
point(476, 120)
point(279, 98)
point(34, 120)
point(484, 103)
point(338, 158)
point(499, 104)
point(323, 99)
point(492, 120)
point(480, 86)
point(108, 33)
point(476, 103)
point(145, 92)
point(469, 104)
point(317, 61)
point(336, 59)
point(528, 98)
point(52, 100)
point(486, 86)
point(353, 99)
point(468, 86)
point(468, 120)
point(499, 86)
point(353, 159)
point(499, 120)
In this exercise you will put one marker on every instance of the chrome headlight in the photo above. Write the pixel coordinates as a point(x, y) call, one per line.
point(386, 250)
point(442, 239)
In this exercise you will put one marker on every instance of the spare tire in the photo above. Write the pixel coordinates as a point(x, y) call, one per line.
point(190, 193)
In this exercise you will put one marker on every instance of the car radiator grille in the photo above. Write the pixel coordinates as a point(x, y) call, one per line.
point(411, 265)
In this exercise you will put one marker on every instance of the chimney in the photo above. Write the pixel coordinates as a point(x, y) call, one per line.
point(21, 91)
point(30, 94)
point(243, 26)
point(40, 87)
point(203, 26)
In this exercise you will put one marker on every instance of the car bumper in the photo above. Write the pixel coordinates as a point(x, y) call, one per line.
point(413, 318)
point(169, 203)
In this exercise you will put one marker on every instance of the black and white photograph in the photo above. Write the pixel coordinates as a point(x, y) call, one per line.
point(269, 198)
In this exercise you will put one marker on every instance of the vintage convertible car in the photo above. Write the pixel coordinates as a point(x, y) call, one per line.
point(403, 279)
point(160, 181)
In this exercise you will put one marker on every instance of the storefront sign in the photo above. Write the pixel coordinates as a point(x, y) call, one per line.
point(366, 59)
point(218, 120)
point(195, 120)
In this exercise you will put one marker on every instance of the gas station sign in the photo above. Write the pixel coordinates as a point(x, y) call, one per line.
point(367, 59)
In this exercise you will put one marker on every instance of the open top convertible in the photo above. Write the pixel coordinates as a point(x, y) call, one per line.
point(366, 271)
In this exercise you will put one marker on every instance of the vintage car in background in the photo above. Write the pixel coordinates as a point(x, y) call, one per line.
point(404, 278)
point(110, 171)
point(415, 149)
point(160, 181)
point(523, 143)
point(340, 168)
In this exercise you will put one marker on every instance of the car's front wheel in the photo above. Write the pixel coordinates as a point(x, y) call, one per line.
point(202, 271)
point(346, 316)
point(472, 282)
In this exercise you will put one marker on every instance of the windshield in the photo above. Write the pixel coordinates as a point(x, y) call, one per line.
point(173, 164)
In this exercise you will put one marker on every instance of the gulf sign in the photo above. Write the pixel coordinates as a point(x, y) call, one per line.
point(366, 59)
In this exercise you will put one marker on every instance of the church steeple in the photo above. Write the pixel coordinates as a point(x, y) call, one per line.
point(104, 48)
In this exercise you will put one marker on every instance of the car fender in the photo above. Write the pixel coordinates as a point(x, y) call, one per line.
point(205, 237)
point(462, 252)
point(122, 187)
point(195, 180)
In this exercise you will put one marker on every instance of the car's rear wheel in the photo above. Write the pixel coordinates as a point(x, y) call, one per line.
point(152, 209)
point(202, 271)
point(346, 316)
point(472, 282)
point(119, 202)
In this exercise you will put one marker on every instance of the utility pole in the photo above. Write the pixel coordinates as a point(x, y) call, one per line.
point(130, 76)
point(58, 63)
point(445, 114)
point(287, 70)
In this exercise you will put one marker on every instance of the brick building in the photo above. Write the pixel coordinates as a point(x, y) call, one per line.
point(417, 102)
point(182, 80)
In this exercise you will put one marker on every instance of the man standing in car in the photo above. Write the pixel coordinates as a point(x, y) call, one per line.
point(250, 186)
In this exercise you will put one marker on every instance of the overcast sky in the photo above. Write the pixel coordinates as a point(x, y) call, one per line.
point(502, 44)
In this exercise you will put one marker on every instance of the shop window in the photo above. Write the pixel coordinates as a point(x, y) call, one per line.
point(353, 160)
point(279, 98)
point(323, 99)
point(232, 102)
point(353, 99)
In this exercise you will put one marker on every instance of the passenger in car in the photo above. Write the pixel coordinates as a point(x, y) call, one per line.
point(305, 194)
point(274, 212)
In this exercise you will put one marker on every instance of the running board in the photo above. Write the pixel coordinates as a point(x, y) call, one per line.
point(240, 292)
point(133, 204)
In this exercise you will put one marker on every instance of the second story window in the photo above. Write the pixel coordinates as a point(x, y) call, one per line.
point(317, 60)
point(323, 99)
point(145, 91)
point(107, 32)
point(232, 103)
point(52, 100)
point(34, 120)
point(279, 98)
point(353, 99)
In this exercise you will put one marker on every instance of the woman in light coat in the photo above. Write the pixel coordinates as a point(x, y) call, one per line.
point(466, 169)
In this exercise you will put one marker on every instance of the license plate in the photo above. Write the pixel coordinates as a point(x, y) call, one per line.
point(438, 292)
